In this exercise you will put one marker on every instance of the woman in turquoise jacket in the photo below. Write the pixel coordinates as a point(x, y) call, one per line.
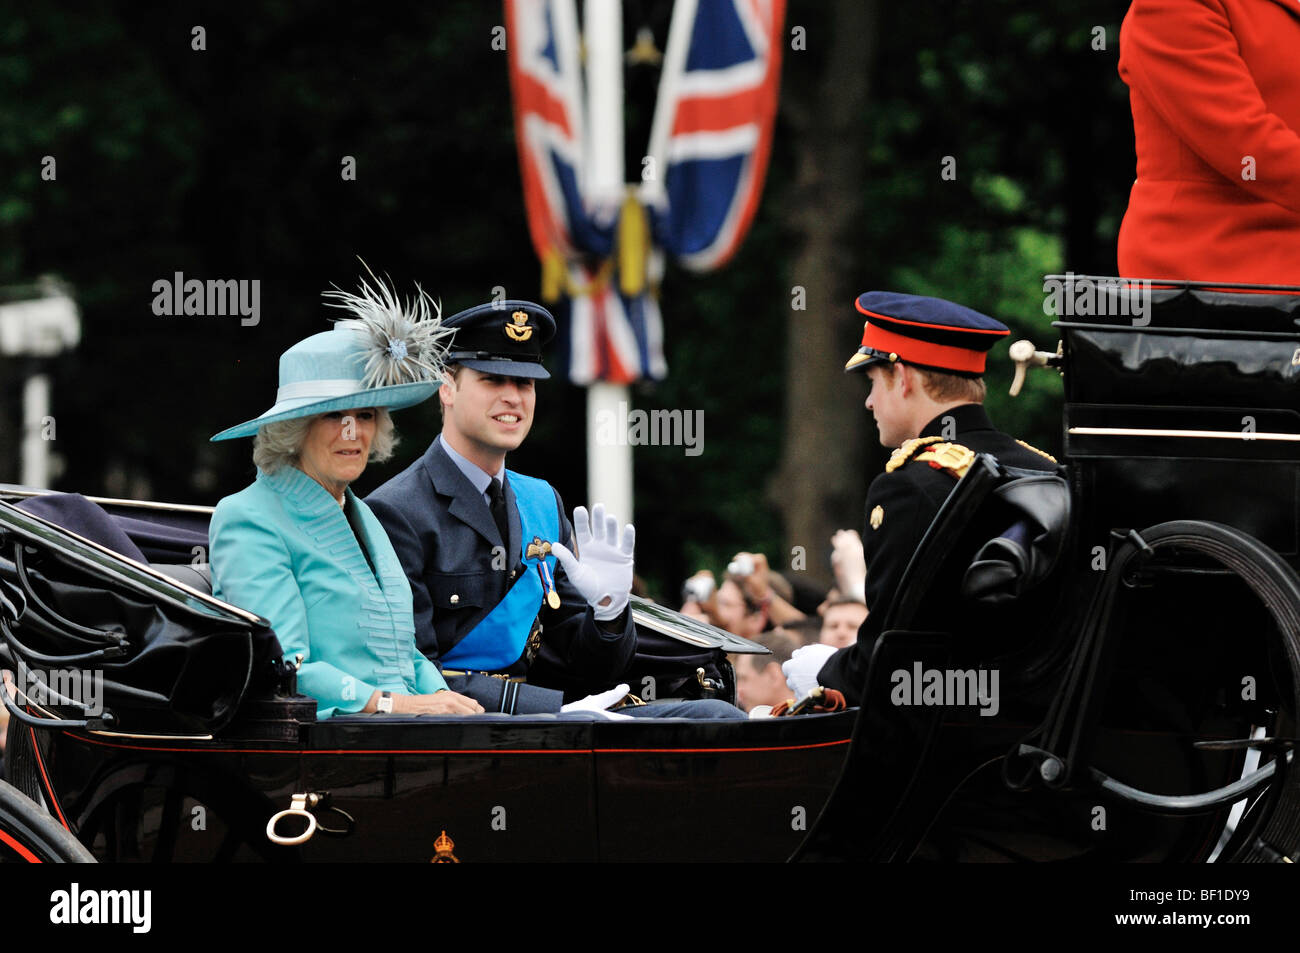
point(299, 548)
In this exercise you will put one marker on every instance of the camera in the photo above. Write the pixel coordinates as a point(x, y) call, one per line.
point(742, 565)
point(697, 589)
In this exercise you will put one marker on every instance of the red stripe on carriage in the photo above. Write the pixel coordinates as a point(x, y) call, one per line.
point(49, 788)
point(26, 854)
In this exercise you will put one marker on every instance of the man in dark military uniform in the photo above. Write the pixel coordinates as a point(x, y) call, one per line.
point(925, 357)
point(518, 606)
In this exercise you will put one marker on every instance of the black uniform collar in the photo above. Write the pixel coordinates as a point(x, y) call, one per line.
point(966, 417)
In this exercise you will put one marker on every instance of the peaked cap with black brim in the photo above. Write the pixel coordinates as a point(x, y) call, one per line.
point(923, 332)
point(504, 338)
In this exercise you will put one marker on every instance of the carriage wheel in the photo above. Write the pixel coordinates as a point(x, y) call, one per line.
point(29, 835)
point(1209, 655)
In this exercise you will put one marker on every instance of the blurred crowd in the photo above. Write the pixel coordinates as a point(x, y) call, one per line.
point(781, 612)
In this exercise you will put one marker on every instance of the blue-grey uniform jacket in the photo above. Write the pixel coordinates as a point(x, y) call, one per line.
point(444, 535)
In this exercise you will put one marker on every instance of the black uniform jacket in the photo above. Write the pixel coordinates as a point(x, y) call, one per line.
point(905, 501)
point(444, 535)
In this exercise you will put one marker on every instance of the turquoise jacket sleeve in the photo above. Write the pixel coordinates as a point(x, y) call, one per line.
point(252, 568)
point(427, 677)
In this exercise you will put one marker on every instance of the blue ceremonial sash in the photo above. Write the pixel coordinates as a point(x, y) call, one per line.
point(499, 639)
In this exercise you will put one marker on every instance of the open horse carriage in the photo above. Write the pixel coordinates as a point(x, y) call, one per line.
point(1141, 614)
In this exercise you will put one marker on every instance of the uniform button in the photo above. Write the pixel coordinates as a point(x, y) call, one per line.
point(454, 598)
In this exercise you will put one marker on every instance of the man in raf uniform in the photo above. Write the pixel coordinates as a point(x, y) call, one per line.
point(925, 358)
point(516, 605)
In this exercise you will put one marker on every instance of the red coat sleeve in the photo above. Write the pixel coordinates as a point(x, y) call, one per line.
point(1182, 56)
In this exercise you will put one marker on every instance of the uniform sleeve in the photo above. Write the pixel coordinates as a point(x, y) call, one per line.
point(577, 653)
point(906, 508)
point(1182, 57)
point(410, 553)
point(252, 568)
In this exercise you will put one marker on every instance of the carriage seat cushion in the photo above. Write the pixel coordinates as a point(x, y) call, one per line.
point(1030, 546)
point(88, 520)
point(196, 577)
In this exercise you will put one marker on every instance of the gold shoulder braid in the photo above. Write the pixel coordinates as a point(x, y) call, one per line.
point(952, 458)
point(904, 453)
point(1036, 450)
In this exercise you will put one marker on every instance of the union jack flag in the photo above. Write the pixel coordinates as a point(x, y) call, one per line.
point(606, 335)
point(709, 148)
point(546, 81)
point(712, 131)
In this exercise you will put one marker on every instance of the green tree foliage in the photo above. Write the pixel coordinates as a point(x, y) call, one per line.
point(225, 163)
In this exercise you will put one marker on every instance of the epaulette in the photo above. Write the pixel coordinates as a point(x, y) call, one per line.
point(1036, 450)
point(904, 453)
point(952, 458)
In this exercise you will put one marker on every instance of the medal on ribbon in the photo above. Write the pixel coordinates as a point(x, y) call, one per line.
point(540, 549)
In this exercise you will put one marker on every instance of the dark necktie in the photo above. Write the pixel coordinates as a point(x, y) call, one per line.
point(497, 492)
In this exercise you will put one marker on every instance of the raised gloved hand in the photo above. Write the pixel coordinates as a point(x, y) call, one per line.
point(597, 702)
point(801, 671)
point(602, 570)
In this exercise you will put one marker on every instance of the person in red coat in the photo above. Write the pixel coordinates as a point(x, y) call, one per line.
point(1215, 92)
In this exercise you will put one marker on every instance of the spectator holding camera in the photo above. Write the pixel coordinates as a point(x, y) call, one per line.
point(752, 574)
point(736, 611)
point(697, 596)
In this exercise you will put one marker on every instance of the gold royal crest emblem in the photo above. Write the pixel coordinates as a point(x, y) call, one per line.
point(520, 329)
point(442, 850)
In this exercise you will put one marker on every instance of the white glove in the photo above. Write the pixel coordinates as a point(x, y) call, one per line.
point(602, 571)
point(801, 671)
point(597, 702)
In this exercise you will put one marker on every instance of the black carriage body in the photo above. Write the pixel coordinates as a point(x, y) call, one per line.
point(1175, 397)
point(503, 788)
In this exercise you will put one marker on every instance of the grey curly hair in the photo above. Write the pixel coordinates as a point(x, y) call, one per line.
point(279, 444)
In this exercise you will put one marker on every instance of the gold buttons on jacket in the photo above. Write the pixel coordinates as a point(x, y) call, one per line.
point(454, 598)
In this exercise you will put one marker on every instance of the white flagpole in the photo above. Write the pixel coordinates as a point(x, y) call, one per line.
point(604, 189)
point(609, 461)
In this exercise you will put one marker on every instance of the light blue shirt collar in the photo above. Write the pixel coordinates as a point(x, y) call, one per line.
point(473, 472)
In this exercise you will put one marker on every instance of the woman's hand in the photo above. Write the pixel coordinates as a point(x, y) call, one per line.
point(439, 703)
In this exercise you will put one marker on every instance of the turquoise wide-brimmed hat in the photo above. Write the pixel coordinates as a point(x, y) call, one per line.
point(387, 356)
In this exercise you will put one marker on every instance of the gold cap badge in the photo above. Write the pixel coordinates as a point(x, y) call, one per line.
point(520, 329)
